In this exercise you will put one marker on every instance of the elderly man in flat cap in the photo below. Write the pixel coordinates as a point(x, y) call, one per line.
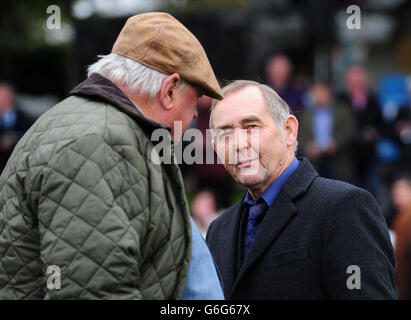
point(84, 211)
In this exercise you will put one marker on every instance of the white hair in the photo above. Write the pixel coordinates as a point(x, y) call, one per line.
point(274, 103)
point(131, 74)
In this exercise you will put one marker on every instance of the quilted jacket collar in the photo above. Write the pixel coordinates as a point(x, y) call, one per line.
point(98, 87)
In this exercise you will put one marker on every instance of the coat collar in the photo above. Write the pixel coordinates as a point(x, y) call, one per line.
point(101, 88)
point(300, 180)
point(278, 215)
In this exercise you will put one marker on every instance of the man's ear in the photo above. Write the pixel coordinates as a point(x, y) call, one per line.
point(290, 130)
point(168, 89)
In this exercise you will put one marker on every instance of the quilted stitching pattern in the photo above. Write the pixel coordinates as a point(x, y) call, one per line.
point(80, 192)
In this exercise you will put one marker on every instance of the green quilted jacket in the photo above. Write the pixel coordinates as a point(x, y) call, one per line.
point(85, 213)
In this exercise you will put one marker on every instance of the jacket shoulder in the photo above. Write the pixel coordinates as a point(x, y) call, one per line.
point(76, 117)
point(333, 190)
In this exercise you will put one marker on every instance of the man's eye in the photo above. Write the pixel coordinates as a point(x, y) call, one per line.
point(225, 135)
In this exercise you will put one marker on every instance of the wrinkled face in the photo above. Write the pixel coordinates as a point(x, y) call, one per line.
point(248, 140)
point(186, 108)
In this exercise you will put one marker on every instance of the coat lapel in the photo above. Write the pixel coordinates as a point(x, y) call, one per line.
point(278, 215)
point(276, 218)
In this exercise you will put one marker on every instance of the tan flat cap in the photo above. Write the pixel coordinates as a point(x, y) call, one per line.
point(159, 41)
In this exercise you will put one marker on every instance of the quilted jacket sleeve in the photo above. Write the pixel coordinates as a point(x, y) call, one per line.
point(91, 222)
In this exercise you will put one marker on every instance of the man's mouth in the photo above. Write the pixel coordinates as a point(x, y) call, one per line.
point(245, 163)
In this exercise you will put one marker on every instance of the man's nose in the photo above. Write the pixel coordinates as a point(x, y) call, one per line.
point(241, 139)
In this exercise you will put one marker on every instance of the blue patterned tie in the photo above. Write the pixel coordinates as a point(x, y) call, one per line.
point(255, 215)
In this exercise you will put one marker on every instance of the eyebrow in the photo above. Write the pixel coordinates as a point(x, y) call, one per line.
point(250, 119)
point(242, 122)
point(224, 127)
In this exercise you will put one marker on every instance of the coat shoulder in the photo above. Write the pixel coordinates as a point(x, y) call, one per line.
point(334, 190)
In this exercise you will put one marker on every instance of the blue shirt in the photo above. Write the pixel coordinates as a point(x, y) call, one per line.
point(323, 126)
point(272, 191)
point(203, 281)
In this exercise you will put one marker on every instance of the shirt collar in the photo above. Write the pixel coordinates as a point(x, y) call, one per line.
point(98, 87)
point(270, 194)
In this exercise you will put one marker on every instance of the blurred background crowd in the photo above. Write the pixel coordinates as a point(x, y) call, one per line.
point(349, 88)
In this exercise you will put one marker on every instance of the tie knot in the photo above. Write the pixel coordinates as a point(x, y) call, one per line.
point(257, 211)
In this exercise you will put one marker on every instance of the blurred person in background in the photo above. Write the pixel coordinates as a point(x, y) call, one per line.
point(82, 192)
point(13, 123)
point(400, 131)
point(401, 196)
point(279, 77)
point(204, 210)
point(326, 133)
point(369, 126)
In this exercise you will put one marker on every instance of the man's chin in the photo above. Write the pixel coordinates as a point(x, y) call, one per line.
point(249, 180)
